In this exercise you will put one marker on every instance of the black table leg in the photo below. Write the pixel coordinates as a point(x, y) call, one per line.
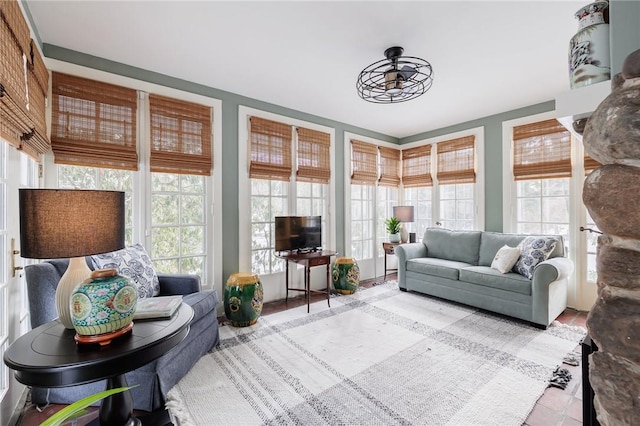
point(117, 409)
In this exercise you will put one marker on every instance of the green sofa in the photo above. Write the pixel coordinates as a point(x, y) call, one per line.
point(456, 265)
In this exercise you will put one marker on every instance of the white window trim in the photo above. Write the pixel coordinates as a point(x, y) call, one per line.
point(244, 182)
point(479, 186)
point(214, 184)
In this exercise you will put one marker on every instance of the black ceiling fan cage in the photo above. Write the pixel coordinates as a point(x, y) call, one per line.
point(395, 79)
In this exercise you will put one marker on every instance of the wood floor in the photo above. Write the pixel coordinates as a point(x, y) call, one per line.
point(556, 407)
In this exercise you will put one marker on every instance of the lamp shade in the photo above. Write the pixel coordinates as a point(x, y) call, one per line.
point(61, 223)
point(403, 213)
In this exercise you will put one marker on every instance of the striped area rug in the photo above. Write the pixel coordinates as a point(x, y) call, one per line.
point(377, 357)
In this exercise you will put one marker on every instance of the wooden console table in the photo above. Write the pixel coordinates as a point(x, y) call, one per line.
point(309, 260)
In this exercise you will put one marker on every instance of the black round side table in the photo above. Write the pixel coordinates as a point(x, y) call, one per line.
point(49, 357)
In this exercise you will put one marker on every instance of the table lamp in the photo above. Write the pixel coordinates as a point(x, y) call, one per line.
point(70, 223)
point(405, 215)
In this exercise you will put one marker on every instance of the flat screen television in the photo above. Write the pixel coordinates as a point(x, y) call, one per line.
point(298, 233)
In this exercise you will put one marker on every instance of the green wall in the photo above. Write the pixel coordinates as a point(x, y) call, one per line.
point(230, 103)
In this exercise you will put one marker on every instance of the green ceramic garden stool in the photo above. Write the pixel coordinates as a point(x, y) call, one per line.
point(243, 296)
point(345, 275)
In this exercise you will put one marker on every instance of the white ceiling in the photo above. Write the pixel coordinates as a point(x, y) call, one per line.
point(488, 57)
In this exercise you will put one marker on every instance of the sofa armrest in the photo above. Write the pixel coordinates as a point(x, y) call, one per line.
point(549, 289)
point(554, 269)
point(406, 252)
point(174, 284)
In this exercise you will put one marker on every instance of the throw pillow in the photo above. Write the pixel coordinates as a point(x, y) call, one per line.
point(534, 251)
point(505, 258)
point(132, 262)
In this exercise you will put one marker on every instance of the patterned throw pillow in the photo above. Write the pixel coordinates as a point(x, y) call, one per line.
point(505, 258)
point(534, 251)
point(132, 262)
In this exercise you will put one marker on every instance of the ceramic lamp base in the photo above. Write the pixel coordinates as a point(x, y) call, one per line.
point(103, 339)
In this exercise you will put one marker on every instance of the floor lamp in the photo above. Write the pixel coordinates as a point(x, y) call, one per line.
point(69, 223)
point(405, 215)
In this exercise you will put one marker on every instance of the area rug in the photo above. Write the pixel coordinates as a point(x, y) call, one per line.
point(379, 356)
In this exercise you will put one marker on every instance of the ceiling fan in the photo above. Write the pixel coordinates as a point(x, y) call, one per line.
point(395, 79)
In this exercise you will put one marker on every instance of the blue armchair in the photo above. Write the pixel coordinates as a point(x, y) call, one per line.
point(155, 379)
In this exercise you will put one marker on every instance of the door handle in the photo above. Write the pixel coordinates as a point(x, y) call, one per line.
point(14, 253)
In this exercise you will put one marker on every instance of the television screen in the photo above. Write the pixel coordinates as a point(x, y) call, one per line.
point(298, 233)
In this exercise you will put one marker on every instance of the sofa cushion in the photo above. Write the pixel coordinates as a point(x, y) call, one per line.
point(488, 277)
point(534, 251)
point(132, 262)
point(438, 267)
point(491, 242)
point(461, 246)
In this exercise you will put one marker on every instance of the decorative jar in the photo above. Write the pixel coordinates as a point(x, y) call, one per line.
point(102, 307)
point(589, 60)
point(345, 275)
point(243, 299)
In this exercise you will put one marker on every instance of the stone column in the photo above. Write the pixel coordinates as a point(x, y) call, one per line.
point(612, 196)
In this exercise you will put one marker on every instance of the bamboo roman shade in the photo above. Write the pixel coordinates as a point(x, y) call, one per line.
point(389, 167)
point(590, 164)
point(416, 167)
point(180, 136)
point(364, 163)
point(313, 156)
point(270, 143)
point(541, 151)
point(93, 123)
point(456, 161)
point(23, 84)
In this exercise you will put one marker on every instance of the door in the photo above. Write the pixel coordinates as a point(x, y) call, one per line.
point(16, 170)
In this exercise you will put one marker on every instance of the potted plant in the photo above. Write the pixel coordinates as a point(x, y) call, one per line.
point(78, 408)
point(393, 228)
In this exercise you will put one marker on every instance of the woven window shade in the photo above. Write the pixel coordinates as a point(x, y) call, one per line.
point(456, 161)
point(180, 136)
point(541, 151)
point(590, 164)
point(37, 142)
point(364, 163)
point(270, 150)
point(313, 156)
point(15, 119)
point(389, 167)
point(416, 167)
point(93, 123)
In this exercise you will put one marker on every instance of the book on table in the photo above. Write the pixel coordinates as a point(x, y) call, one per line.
point(157, 307)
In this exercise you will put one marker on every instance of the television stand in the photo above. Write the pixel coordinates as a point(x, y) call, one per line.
point(308, 260)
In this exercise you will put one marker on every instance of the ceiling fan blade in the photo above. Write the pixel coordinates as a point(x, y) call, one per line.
point(407, 72)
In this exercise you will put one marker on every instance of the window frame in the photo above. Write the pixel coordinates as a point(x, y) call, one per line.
point(142, 178)
point(244, 182)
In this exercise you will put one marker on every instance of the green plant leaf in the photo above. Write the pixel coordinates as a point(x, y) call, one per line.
point(79, 406)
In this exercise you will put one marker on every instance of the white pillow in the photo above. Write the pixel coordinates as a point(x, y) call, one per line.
point(505, 258)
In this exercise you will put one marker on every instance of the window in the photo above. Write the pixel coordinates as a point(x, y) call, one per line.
point(95, 133)
point(178, 223)
point(456, 177)
point(289, 171)
point(417, 183)
point(4, 314)
point(375, 177)
point(542, 170)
